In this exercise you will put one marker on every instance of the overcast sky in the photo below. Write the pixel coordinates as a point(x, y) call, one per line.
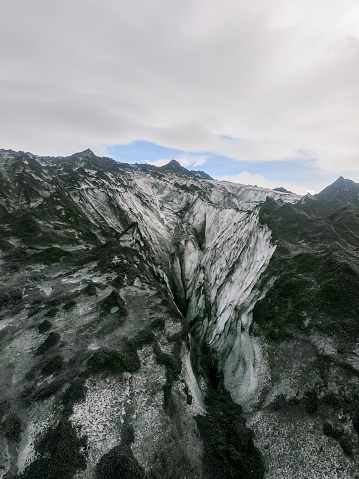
point(263, 91)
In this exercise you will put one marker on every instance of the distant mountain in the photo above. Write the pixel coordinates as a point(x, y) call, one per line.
point(157, 323)
point(176, 167)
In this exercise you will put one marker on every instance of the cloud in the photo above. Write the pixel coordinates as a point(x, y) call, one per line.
point(246, 178)
point(280, 78)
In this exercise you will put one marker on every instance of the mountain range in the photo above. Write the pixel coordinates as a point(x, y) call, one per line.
point(156, 323)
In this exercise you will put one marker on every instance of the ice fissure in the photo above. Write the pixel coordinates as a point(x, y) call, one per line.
point(218, 284)
point(213, 252)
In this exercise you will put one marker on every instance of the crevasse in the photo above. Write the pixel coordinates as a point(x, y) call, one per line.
point(213, 250)
point(218, 250)
point(221, 291)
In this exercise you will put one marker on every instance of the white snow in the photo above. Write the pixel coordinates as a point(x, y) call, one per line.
point(46, 289)
point(193, 385)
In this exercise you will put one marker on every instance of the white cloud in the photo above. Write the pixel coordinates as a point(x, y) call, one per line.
point(199, 161)
point(246, 178)
point(282, 77)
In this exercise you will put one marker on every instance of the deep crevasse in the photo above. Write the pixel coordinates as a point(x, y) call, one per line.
point(218, 252)
point(226, 276)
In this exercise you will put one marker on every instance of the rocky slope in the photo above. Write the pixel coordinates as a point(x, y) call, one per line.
point(157, 323)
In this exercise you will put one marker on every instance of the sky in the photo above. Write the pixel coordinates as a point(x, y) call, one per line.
point(263, 92)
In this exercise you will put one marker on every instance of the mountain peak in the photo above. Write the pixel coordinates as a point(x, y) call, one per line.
point(86, 152)
point(341, 193)
point(173, 165)
point(340, 182)
point(340, 186)
point(176, 167)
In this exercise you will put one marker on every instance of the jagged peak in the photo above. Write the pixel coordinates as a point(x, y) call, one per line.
point(173, 165)
point(340, 185)
point(341, 181)
point(176, 167)
point(86, 152)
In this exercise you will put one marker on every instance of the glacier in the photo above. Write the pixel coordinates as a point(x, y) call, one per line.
point(172, 325)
